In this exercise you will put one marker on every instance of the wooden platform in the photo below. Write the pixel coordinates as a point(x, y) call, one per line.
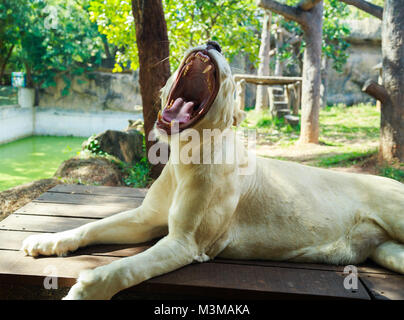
point(68, 206)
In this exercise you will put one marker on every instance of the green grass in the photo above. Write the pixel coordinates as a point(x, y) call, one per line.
point(34, 158)
point(345, 159)
point(349, 136)
point(392, 173)
point(344, 124)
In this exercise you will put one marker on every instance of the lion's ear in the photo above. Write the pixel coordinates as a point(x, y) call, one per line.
point(238, 117)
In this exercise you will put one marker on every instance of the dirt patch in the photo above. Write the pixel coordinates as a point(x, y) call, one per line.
point(17, 197)
point(93, 170)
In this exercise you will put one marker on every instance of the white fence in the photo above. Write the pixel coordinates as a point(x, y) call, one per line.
point(17, 122)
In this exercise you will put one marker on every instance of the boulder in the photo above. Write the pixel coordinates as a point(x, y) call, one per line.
point(92, 170)
point(127, 145)
point(17, 197)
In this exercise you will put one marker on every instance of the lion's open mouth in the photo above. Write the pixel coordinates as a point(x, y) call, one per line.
point(192, 93)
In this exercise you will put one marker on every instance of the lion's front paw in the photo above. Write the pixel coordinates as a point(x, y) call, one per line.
point(91, 285)
point(50, 244)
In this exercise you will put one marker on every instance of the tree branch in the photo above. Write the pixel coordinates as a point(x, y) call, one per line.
point(291, 13)
point(376, 91)
point(368, 7)
point(307, 5)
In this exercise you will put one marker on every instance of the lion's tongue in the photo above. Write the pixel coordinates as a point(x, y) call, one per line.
point(180, 111)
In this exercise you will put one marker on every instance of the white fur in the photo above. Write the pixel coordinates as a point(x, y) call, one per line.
point(283, 211)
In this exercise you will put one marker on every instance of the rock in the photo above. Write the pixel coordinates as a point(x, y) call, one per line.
point(127, 145)
point(93, 170)
point(137, 125)
point(17, 197)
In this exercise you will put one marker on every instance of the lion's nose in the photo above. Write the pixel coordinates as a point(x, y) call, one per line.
point(213, 45)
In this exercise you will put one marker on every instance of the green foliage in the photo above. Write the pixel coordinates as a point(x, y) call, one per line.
point(233, 23)
point(53, 37)
point(392, 173)
point(115, 20)
point(93, 145)
point(137, 175)
point(335, 31)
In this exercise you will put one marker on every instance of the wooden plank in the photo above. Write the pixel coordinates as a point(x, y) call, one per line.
point(269, 281)
point(16, 267)
point(12, 240)
point(275, 282)
point(96, 200)
point(73, 210)
point(41, 223)
point(384, 286)
point(100, 190)
point(266, 80)
point(367, 267)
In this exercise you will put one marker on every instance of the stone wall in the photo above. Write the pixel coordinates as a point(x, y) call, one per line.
point(364, 53)
point(96, 91)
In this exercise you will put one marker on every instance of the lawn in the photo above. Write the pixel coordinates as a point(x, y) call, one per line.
point(349, 138)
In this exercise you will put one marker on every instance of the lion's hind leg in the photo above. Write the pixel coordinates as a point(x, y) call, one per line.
point(390, 254)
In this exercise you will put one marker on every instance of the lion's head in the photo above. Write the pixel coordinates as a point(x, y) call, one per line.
point(200, 94)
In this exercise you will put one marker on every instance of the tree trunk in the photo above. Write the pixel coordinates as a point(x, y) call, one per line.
point(324, 82)
point(313, 31)
point(154, 67)
point(4, 64)
point(263, 68)
point(309, 14)
point(279, 44)
point(392, 111)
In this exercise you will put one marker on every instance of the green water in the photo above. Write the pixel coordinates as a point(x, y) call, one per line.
point(34, 158)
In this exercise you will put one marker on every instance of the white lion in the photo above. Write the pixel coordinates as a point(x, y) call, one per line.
point(282, 211)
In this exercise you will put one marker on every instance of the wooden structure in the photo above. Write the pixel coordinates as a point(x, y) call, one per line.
point(68, 206)
point(284, 93)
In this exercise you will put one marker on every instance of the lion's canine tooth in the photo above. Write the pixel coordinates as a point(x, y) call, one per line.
point(172, 123)
point(208, 68)
point(170, 105)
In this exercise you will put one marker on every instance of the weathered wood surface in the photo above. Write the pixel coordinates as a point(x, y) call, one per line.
point(266, 80)
point(68, 206)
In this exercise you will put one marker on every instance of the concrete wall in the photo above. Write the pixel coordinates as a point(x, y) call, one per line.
point(17, 122)
point(60, 122)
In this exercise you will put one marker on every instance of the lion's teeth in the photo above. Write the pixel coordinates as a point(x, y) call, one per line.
point(189, 59)
point(185, 71)
point(208, 68)
point(159, 115)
